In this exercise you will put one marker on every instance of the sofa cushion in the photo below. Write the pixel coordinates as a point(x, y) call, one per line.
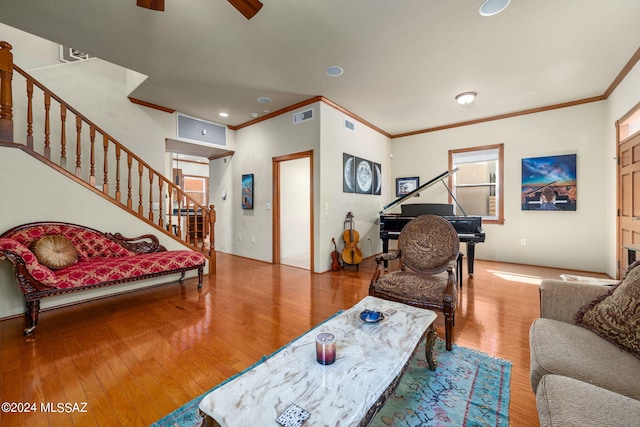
point(89, 243)
point(564, 401)
point(573, 351)
point(113, 270)
point(615, 316)
point(55, 251)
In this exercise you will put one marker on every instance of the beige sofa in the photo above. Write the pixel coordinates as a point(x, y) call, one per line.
point(580, 378)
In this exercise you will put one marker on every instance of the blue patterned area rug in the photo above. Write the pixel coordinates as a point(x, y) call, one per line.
point(468, 388)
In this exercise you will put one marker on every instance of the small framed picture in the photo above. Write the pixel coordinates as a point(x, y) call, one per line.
point(247, 191)
point(405, 186)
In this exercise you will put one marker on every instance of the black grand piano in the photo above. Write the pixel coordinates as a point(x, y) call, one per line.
point(469, 228)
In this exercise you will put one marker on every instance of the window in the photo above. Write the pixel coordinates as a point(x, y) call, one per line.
point(478, 183)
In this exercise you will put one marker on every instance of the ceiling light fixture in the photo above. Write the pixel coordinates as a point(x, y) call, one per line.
point(264, 100)
point(466, 98)
point(223, 115)
point(493, 7)
point(334, 71)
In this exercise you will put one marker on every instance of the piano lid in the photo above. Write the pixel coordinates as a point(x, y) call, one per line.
point(417, 191)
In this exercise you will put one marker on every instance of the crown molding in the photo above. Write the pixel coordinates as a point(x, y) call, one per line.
point(614, 84)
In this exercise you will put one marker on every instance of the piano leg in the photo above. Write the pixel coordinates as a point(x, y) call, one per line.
point(385, 249)
point(471, 251)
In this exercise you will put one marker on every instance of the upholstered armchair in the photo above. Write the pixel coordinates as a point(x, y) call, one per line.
point(428, 247)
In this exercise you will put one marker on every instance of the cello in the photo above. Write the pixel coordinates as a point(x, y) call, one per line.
point(351, 254)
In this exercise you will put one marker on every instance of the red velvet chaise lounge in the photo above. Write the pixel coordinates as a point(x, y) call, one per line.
point(55, 258)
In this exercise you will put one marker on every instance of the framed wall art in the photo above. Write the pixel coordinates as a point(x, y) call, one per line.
point(360, 175)
point(364, 176)
point(377, 179)
point(348, 173)
point(549, 183)
point(247, 191)
point(405, 186)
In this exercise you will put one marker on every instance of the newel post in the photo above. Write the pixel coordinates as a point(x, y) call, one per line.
point(6, 103)
point(212, 240)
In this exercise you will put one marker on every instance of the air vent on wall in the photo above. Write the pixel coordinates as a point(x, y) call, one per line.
point(69, 54)
point(349, 124)
point(303, 116)
point(200, 131)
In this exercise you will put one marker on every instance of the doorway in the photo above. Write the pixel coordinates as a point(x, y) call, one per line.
point(293, 210)
point(628, 153)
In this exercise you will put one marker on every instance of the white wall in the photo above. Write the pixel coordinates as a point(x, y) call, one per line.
point(334, 204)
point(574, 240)
point(30, 51)
point(255, 146)
point(99, 91)
point(43, 194)
point(247, 232)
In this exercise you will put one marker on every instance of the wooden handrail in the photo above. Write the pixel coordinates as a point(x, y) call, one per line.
point(150, 196)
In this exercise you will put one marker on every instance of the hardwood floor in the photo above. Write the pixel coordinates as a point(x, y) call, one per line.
point(134, 358)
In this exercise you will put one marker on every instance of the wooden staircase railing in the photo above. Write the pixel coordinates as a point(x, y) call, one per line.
point(96, 160)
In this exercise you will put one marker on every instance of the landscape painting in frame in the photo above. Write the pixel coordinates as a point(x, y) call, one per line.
point(247, 191)
point(549, 183)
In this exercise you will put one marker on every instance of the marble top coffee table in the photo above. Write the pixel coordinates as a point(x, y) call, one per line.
point(371, 358)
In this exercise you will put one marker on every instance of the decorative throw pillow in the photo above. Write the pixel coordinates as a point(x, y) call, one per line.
point(55, 251)
point(615, 316)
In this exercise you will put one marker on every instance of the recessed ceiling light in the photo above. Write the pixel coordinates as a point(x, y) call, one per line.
point(334, 71)
point(493, 7)
point(466, 98)
point(264, 100)
point(223, 115)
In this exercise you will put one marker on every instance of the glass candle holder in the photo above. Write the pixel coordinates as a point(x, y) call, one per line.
point(326, 348)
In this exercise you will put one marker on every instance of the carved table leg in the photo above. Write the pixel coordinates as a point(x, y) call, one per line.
point(428, 347)
point(207, 421)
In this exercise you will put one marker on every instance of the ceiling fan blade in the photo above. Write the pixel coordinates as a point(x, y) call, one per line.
point(152, 4)
point(247, 7)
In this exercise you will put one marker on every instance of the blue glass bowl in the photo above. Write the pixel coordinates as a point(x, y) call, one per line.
point(371, 316)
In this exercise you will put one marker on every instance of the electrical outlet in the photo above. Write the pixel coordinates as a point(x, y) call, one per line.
point(156, 206)
point(523, 242)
